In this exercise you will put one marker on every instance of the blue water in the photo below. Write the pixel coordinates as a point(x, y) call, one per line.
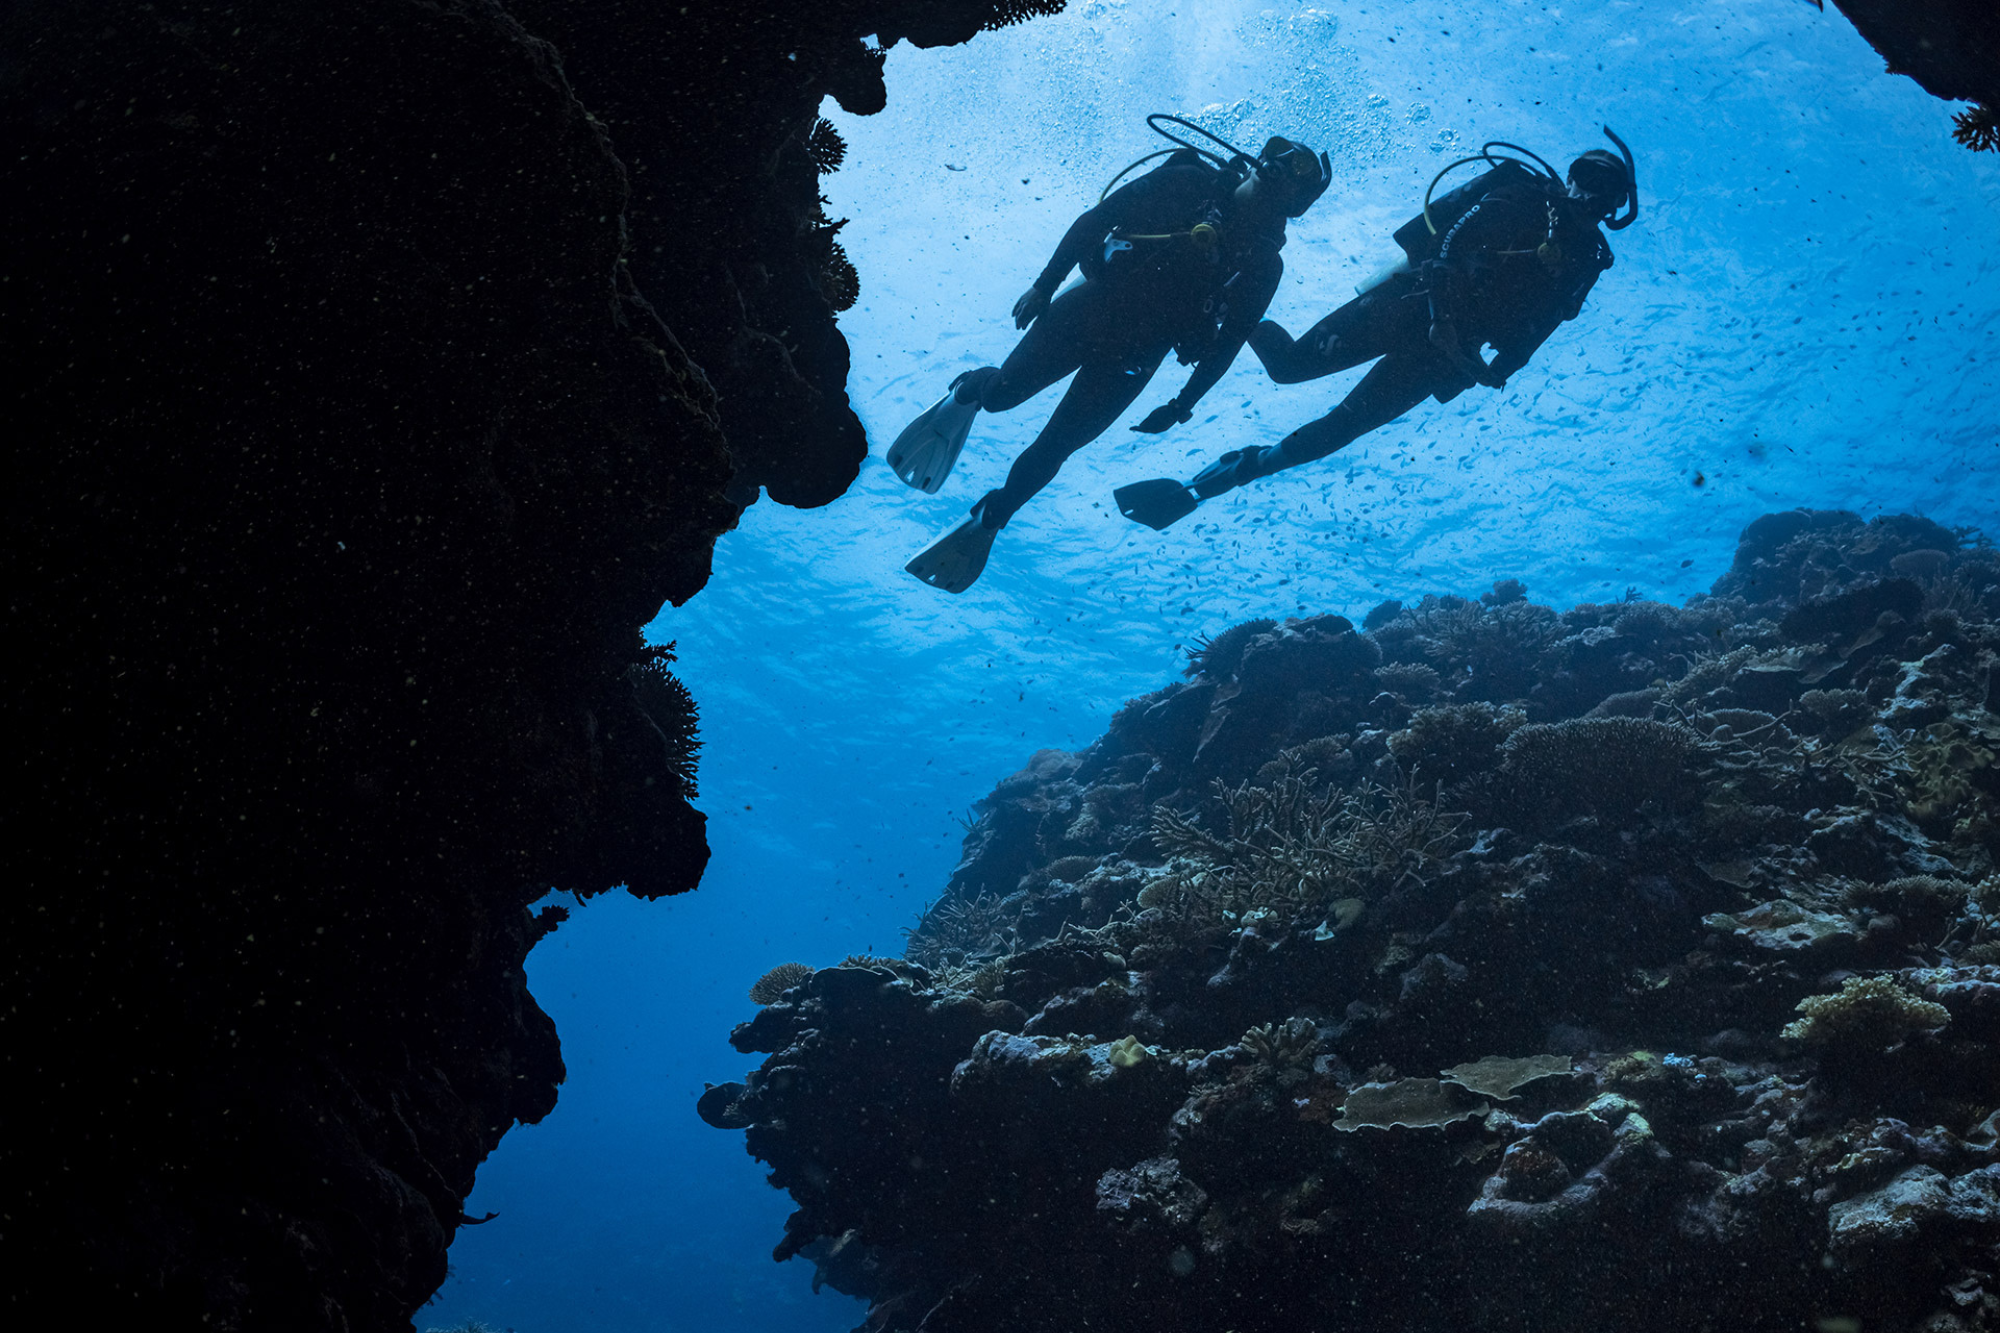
point(1805, 315)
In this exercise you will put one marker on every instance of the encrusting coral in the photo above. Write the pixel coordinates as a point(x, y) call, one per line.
point(1488, 966)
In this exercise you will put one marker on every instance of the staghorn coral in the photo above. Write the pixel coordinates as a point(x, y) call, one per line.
point(1867, 1013)
point(983, 979)
point(956, 927)
point(1711, 671)
point(771, 987)
point(1294, 848)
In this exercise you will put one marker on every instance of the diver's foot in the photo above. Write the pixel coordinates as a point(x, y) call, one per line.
point(1228, 472)
point(927, 450)
point(1159, 503)
point(954, 561)
point(970, 386)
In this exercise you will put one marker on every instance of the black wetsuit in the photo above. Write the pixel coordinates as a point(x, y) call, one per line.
point(1117, 326)
point(1494, 275)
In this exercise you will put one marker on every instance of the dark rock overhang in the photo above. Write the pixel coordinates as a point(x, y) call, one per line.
point(1950, 47)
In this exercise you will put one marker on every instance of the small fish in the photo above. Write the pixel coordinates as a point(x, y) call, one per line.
point(952, 166)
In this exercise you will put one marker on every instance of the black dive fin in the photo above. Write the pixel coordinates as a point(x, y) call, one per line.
point(1159, 503)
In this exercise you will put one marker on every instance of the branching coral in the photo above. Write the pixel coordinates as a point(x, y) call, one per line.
point(1599, 764)
point(1452, 743)
point(1285, 1044)
point(978, 979)
point(1711, 671)
point(839, 283)
point(667, 702)
point(1217, 657)
point(1978, 129)
point(1411, 681)
point(955, 928)
point(1866, 1013)
point(825, 146)
point(1009, 12)
point(1495, 642)
point(1293, 847)
point(771, 987)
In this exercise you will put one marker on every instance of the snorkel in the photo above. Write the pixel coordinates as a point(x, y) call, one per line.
point(1631, 214)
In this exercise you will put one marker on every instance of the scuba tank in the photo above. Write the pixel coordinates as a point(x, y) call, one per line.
point(1423, 235)
point(1123, 252)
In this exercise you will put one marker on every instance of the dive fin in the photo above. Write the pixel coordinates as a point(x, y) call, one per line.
point(1159, 503)
point(953, 562)
point(924, 453)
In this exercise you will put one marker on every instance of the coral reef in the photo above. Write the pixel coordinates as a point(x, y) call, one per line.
point(1489, 966)
point(375, 371)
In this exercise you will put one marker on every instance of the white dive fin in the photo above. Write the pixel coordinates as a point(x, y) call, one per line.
point(953, 561)
point(924, 453)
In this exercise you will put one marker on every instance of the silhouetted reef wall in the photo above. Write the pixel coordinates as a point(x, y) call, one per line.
point(351, 450)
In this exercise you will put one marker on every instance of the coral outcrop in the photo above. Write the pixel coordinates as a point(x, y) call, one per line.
point(374, 372)
point(1486, 967)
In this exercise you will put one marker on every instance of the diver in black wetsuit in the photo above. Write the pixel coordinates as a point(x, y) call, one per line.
point(1183, 259)
point(1503, 261)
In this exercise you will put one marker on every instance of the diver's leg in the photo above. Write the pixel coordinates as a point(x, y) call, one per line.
point(1054, 345)
point(1098, 395)
point(1341, 341)
point(1396, 384)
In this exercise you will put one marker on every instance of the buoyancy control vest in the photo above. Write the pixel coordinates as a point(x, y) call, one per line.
point(1425, 239)
point(1198, 256)
point(1131, 250)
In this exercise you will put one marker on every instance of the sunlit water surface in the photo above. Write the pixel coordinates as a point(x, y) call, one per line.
point(1805, 315)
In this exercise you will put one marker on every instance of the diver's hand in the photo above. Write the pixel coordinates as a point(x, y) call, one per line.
point(1032, 303)
point(1444, 337)
point(1163, 418)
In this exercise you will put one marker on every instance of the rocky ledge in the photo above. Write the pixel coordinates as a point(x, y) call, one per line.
point(1481, 966)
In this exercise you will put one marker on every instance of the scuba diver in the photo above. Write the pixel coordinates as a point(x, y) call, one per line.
point(1502, 260)
point(1182, 259)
